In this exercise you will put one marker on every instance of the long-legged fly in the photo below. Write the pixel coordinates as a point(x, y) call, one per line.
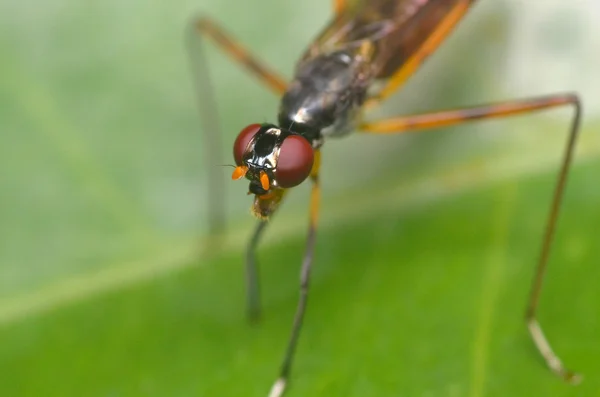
point(366, 42)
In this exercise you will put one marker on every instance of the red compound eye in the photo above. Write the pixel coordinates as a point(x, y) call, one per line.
point(239, 146)
point(295, 161)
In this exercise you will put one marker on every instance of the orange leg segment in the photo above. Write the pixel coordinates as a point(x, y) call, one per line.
point(339, 5)
point(208, 28)
point(452, 117)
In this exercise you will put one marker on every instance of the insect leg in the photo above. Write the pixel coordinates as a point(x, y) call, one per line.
point(451, 117)
point(284, 372)
point(252, 280)
point(339, 5)
point(201, 28)
point(205, 27)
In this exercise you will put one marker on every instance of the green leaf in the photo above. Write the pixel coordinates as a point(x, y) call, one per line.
point(426, 247)
point(428, 299)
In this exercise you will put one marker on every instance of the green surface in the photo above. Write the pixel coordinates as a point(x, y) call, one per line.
point(425, 301)
point(427, 243)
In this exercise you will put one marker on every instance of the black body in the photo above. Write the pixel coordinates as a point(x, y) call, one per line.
point(325, 96)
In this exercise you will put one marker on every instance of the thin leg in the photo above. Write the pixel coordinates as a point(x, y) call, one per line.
point(339, 5)
point(252, 280)
point(208, 28)
point(450, 117)
point(201, 28)
point(279, 387)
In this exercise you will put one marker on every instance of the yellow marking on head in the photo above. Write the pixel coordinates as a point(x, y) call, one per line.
point(239, 172)
point(264, 180)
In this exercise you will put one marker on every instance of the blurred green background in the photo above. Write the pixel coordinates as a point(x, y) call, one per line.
point(427, 242)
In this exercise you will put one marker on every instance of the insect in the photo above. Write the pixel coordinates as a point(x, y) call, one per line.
point(362, 56)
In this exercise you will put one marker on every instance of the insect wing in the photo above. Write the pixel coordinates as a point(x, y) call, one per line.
point(396, 28)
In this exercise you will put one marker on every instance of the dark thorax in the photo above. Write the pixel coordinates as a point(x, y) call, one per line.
point(326, 95)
